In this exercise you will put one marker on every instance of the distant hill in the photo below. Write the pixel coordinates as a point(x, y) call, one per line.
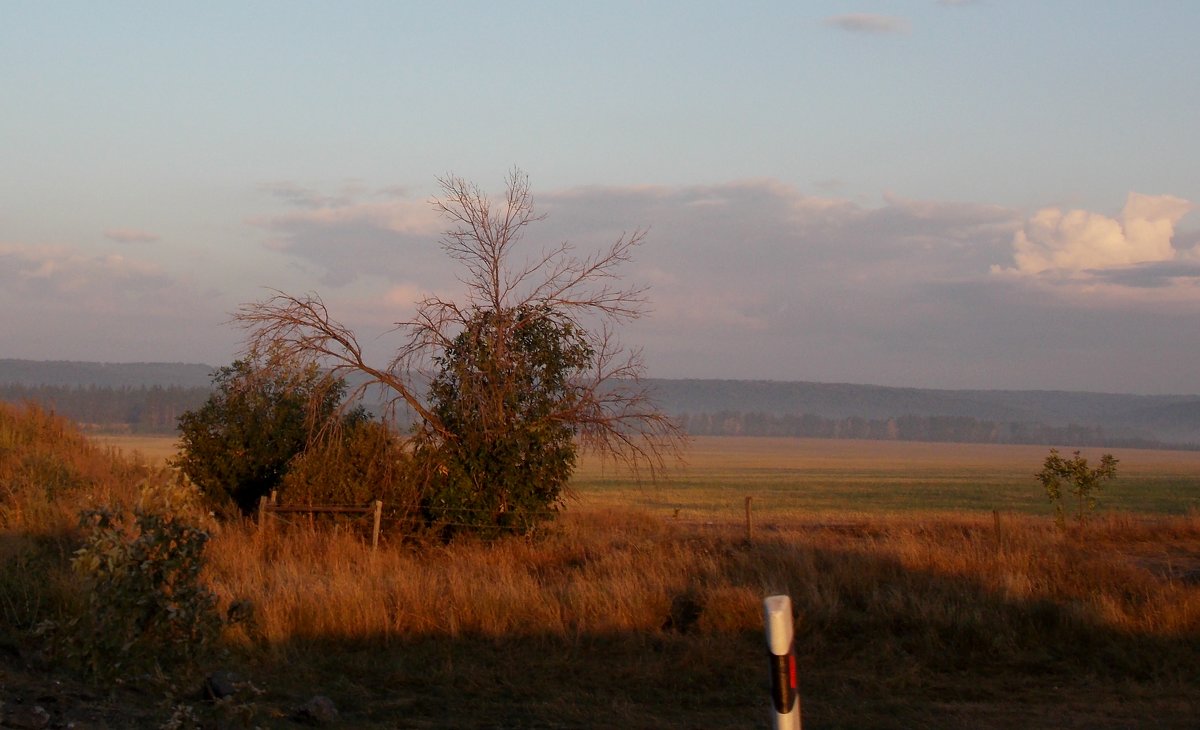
point(840, 400)
point(757, 407)
point(1171, 419)
point(105, 375)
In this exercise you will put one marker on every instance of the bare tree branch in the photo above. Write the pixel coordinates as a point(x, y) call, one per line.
point(609, 410)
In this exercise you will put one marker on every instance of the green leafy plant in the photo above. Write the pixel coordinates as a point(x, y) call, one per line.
point(265, 408)
point(1078, 479)
point(502, 393)
point(145, 607)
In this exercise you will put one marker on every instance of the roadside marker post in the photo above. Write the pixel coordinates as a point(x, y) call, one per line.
point(785, 698)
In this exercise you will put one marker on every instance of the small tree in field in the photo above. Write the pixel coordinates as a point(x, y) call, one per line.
point(509, 461)
point(524, 370)
point(1078, 479)
point(261, 415)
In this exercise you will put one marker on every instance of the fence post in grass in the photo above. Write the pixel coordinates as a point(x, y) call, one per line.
point(785, 698)
point(262, 511)
point(749, 524)
point(378, 519)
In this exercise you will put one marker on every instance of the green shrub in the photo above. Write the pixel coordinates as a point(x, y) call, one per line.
point(505, 450)
point(1079, 480)
point(238, 446)
point(145, 608)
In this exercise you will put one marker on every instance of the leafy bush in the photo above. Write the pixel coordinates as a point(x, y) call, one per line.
point(1079, 480)
point(145, 606)
point(506, 450)
point(237, 447)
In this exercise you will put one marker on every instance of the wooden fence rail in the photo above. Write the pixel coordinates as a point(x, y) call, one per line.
point(268, 506)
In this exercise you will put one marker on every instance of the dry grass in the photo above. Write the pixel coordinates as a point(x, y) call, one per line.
point(902, 621)
point(606, 571)
point(627, 617)
point(151, 449)
point(794, 479)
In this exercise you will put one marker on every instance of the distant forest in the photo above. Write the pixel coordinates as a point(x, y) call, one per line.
point(959, 429)
point(148, 398)
point(143, 410)
point(156, 410)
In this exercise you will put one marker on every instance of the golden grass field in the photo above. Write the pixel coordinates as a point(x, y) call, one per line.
point(914, 608)
point(796, 478)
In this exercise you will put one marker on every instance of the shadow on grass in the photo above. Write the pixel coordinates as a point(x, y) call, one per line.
point(878, 645)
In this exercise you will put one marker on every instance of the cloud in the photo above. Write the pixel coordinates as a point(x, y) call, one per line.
point(130, 235)
point(868, 23)
point(755, 279)
point(354, 234)
point(1078, 240)
point(62, 272)
point(80, 305)
point(309, 198)
point(1152, 275)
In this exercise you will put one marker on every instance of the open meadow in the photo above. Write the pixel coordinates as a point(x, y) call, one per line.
point(800, 478)
point(641, 606)
point(793, 478)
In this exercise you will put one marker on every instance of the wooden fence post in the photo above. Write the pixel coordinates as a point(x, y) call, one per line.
point(262, 511)
point(749, 524)
point(785, 697)
point(378, 519)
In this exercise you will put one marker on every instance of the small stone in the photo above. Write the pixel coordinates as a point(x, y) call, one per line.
point(219, 685)
point(24, 717)
point(319, 710)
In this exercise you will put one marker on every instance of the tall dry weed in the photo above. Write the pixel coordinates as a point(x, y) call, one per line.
point(949, 591)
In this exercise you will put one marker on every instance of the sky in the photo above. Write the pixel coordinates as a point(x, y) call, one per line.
point(998, 194)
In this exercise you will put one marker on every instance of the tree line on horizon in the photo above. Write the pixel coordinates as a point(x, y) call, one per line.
point(155, 410)
point(151, 410)
point(952, 429)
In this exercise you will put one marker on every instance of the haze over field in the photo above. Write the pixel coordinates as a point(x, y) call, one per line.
point(933, 194)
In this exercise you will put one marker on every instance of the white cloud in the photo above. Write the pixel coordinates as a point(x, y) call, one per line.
point(755, 279)
point(868, 23)
point(1078, 240)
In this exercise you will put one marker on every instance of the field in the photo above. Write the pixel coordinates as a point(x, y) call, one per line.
point(641, 606)
point(156, 449)
point(801, 478)
point(797, 478)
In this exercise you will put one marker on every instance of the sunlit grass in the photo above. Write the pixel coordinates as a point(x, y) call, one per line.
point(915, 606)
point(807, 477)
point(154, 449)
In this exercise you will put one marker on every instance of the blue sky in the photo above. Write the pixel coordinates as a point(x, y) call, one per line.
point(990, 194)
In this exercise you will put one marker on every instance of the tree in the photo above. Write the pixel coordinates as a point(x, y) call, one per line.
point(1079, 480)
point(262, 413)
point(510, 459)
point(525, 370)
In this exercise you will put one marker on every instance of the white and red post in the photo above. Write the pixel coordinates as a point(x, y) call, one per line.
point(785, 698)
